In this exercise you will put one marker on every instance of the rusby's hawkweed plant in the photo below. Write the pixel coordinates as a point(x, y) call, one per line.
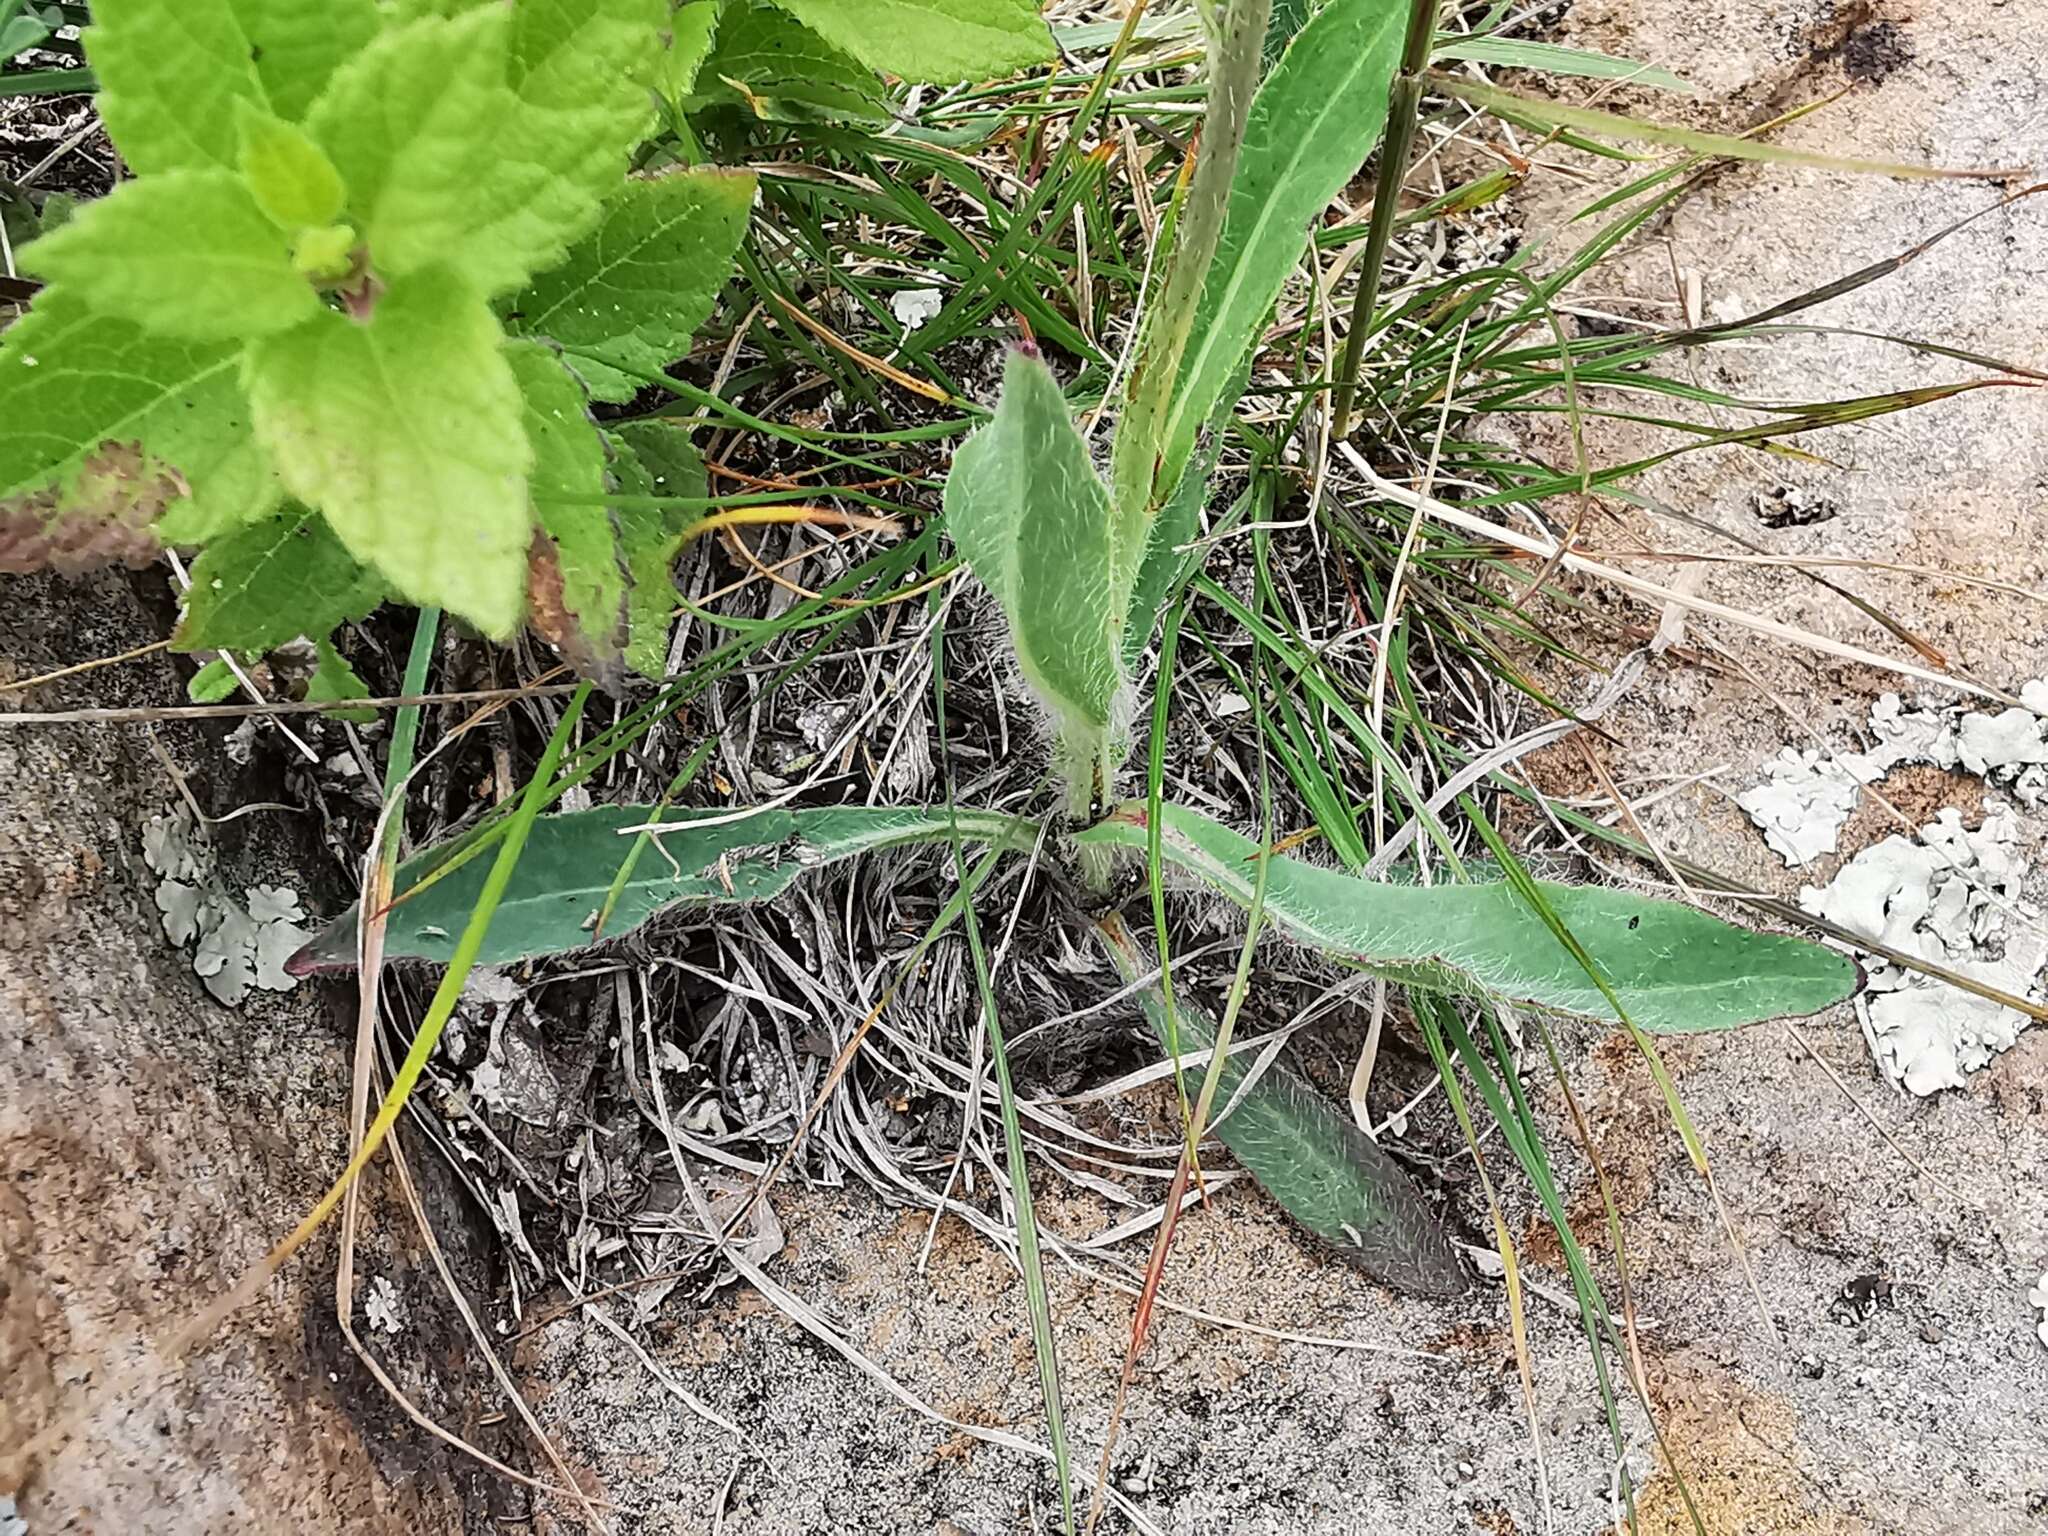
point(391, 308)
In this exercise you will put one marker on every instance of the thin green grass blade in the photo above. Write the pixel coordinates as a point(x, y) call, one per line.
point(1037, 1301)
point(1613, 125)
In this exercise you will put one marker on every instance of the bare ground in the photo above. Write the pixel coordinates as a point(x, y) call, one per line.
point(153, 1142)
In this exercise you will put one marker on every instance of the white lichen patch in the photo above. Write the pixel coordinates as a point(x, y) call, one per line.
point(1805, 797)
point(383, 1307)
point(236, 943)
point(1801, 803)
point(1950, 896)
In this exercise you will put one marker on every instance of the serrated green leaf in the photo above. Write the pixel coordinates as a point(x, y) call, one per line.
point(569, 461)
point(171, 71)
point(691, 32)
point(406, 432)
point(570, 863)
point(779, 68)
point(634, 291)
point(292, 180)
point(273, 581)
point(653, 459)
point(1675, 969)
point(94, 411)
point(1313, 122)
point(183, 254)
point(212, 682)
point(485, 141)
point(334, 679)
point(1324, 1172)
point(1028, 511)
point(941, 41)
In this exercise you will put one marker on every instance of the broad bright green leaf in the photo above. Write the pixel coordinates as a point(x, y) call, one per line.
point(579, 603)
point(171, 71)
point(571, 860)
point(1325, 1172)
point(292, 180)
point(652, 458)
point(1313, 122)
point(273, 581)
point(1676, 969)
point(780, 69)
point(634, 291)
point(334, 679)
point(942, 41)
point(406, 432)
point(581, 73)
point(410, 124)
point(185, 254)
point(486, 141)
point(95, 413)
point(1028, 511)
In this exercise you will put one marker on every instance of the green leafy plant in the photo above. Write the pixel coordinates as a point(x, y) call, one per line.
point(344, 329)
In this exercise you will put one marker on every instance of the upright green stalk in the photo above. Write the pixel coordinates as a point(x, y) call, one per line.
point(1386, 199)
point(1240, 35)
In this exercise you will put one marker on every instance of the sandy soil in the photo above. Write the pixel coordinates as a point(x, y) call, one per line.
point(1928, 1416)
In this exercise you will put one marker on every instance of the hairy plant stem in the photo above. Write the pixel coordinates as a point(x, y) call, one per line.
point(1403, 107)
point(1240, 36)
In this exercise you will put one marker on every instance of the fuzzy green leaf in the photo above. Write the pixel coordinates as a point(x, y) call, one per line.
point(569, 461)
point(95, 412)
point(942, 41)
point(779, 68)
point(406, 432)
point(1676, 969)
point(184, 254)
point(653, 459)
point(635, 290)
point(171, 71)
point(292, 180)
point(273, 581)
point(571, 860)
point(1028, 511)
point(1325, 1172)
point(334, 679)
point(1313, 122)
point(485, 141)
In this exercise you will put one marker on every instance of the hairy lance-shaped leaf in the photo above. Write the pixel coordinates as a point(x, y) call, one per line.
point(1675, 969)
point(715, 858)
point(1027, 509)
point(1325, 1172)
point(407, 433)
